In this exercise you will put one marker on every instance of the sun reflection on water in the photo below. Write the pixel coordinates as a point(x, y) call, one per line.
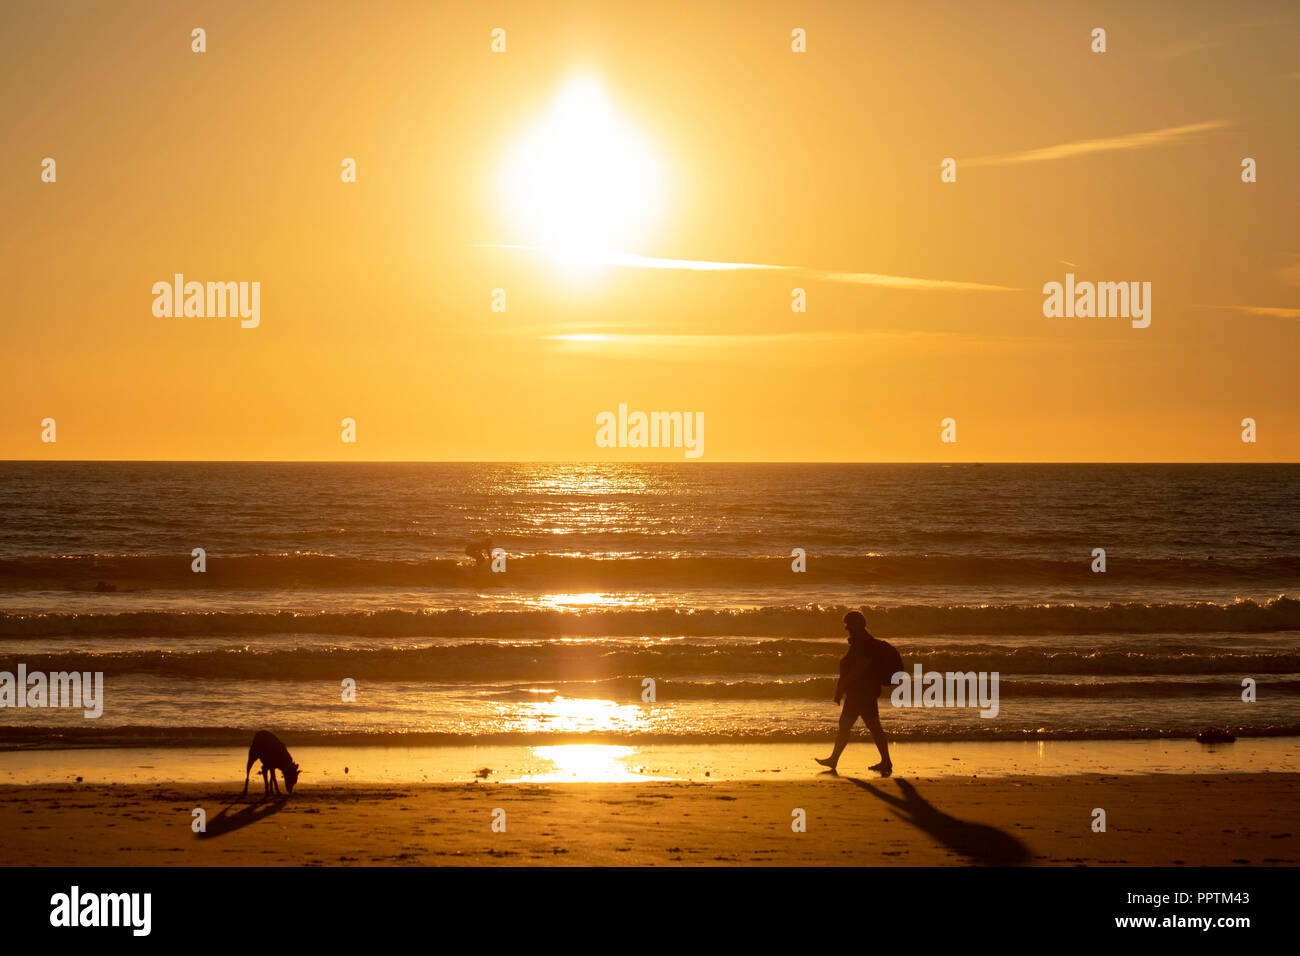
point(580, 715)
point(590, 599)
point(590, 763)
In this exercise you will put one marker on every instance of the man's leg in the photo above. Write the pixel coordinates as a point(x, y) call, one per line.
point(871, 716)
point(848, 717)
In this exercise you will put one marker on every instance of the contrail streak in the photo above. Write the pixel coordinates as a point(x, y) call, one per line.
point(631, 260)
point(1155, 137)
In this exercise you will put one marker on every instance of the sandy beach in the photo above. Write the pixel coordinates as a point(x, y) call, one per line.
point(1175, 820)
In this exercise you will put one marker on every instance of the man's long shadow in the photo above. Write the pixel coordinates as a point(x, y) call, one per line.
point(975, 841)
point(227, 822)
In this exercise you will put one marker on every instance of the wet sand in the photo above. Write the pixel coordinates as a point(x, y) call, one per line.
point(586, 762)
point(851, 820)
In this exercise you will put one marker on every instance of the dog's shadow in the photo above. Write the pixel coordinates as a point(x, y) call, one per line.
point(977, 842)
point(227, 822)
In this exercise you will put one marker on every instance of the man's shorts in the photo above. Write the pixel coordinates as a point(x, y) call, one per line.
point(862, 704)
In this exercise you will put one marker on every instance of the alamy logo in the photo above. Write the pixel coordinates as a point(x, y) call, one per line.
point(59, 689)
point(1085, 300)
point(651, 430)
point(197, 300)
point(948, 689)
point(103, 909)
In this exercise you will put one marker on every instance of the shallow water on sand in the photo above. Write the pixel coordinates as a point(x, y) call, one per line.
point(601, 763)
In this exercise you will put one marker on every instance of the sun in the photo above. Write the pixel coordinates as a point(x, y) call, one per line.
point(581, 182)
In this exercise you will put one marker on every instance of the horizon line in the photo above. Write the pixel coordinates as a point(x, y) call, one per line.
point(589, 461)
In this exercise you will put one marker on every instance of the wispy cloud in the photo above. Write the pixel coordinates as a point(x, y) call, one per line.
point(708, 339)
point(1219, 35)
point(789, 344)
point(1157, 137)
point(731, 338)
point(630, 260)
point(1277, 312)
point(1187, 47)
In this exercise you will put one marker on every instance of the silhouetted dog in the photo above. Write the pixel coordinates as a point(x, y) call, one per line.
point(267, 748)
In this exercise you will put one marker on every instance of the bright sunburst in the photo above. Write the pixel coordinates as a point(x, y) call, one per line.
point(581, 182)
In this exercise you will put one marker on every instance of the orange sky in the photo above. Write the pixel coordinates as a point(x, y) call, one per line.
point(376, 296)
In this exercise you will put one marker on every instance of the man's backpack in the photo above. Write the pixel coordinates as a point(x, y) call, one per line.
point(885, 661)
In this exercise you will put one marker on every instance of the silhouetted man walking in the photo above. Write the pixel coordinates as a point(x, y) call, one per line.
point(868, 664)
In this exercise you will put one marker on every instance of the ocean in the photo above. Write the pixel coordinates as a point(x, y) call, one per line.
point(615, 574)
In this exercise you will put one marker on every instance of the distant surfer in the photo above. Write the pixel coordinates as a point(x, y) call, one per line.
point(481, 552)
point(868, 665)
